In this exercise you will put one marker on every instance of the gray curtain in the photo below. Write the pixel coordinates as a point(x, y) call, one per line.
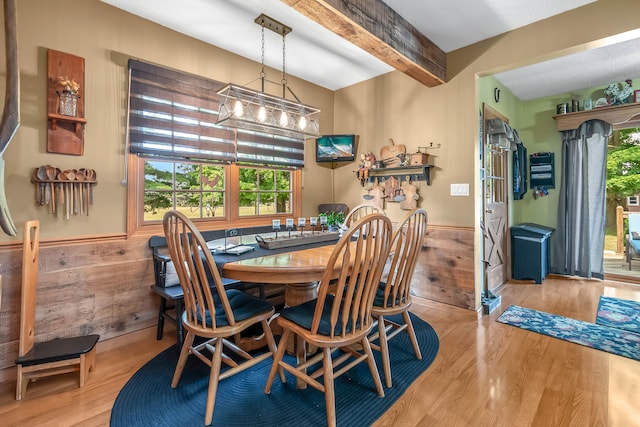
point(579, 237)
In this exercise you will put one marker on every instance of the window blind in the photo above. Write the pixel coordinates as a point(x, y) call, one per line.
point(173, 114)
point(266, 149)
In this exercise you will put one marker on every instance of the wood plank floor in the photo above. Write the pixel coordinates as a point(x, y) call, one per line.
point(485, 374)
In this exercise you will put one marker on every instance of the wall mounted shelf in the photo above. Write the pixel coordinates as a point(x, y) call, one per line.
point(620, 116)
point(65, 133)
point(77, 121)
point(414, 172)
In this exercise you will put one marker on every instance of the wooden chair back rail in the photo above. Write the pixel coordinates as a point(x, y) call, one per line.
point(43, 359)
point(359, 212)
point(30, 253)
point(396, 298)
point(405, 246)
point(357, 281)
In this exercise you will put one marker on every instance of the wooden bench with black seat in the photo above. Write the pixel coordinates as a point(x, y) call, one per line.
point(167, 285)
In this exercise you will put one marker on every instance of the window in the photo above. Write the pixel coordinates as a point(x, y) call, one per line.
point(633, 201)
point(196, 190)
point(264, 191)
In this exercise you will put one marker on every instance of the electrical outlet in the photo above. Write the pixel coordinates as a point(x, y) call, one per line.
point(459, 189)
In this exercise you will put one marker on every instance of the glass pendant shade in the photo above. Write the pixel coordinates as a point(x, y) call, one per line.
point(245, 108)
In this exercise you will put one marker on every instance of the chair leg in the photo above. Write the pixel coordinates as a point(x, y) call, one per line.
point(182, 360)
point(384, 351)
point(163, 308)
point(412, 334)
point(366, 346)
point(84, 369)
point(214, 377)
point(271, 345)
point(329, 393)
point(21, 386)
point(277, 358)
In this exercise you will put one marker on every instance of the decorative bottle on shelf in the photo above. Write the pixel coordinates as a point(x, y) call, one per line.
point(68, 104)
point(67, 90)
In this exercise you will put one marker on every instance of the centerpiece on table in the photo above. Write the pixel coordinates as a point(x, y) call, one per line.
point(67, 90)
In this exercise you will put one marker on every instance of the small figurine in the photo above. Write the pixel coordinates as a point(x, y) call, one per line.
point(368, 161)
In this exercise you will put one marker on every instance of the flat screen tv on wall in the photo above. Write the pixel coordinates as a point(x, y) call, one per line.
point(336, 148)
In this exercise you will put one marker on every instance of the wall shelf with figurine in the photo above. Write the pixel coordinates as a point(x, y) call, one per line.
point(65, 103)
point(414, 172)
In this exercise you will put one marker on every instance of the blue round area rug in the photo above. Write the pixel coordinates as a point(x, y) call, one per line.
point(147, 399)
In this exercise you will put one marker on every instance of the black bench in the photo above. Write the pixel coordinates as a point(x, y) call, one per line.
point(168, 287)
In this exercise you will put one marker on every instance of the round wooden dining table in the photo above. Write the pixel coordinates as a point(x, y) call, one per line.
point(298, 270)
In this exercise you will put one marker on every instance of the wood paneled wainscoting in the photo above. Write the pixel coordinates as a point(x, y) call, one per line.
point(445, 272)
point(101, 285)
point(86, 286)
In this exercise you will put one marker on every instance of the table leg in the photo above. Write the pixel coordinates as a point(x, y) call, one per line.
point(299, 293)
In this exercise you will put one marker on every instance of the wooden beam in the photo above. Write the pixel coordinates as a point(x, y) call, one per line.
point(379, 30)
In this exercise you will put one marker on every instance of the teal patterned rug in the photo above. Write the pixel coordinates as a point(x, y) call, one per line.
point(614, 340)
point(619, 313)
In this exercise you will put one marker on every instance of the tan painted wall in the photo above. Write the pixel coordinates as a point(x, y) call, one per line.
point(106, 38)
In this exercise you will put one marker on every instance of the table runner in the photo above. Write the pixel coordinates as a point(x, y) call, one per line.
point(221, 259)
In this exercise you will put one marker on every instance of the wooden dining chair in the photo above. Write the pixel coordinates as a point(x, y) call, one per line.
point(214, 315)
point(360, 211)
point(337, 321)
point(45, 358)
point(393, 294)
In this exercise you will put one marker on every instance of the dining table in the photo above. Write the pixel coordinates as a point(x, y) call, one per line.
point(299, 270)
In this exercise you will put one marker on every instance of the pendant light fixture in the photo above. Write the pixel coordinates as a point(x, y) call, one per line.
point(245, 108)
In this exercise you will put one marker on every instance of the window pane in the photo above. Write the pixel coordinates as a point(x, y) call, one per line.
point(266, 178)
point(158, 175)
point(187, 176)
point(248, 179)
point(189, 204)
point(156, 203)
point(212, 178)
point(284, 203)
point(283, 179)
point(266, 204)
point(248, 205)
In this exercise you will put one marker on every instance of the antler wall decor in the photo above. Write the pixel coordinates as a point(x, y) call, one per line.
point(10, 120)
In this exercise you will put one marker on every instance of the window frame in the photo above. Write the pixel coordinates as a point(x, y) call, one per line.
point(135, 201)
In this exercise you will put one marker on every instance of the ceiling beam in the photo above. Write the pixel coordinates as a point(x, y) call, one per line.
point(376, 28)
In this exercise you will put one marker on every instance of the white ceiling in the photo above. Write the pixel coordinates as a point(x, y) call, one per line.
point(315, 54)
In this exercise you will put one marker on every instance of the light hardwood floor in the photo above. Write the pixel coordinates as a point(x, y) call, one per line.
point(485, 374)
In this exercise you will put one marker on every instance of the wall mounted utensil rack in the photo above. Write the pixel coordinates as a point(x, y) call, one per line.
point(65, 193)
point(414, 172)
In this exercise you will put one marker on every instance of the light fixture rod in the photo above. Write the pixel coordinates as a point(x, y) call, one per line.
point(273, 25)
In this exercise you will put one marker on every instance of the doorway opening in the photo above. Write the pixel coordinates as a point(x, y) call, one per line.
point(623, 198)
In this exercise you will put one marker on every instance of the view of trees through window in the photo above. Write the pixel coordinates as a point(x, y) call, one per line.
point(623, 177)
point(264, 191)
point(196, 190)
point(200, 190)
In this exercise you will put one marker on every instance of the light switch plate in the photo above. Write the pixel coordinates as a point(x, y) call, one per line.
point(459, 189)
